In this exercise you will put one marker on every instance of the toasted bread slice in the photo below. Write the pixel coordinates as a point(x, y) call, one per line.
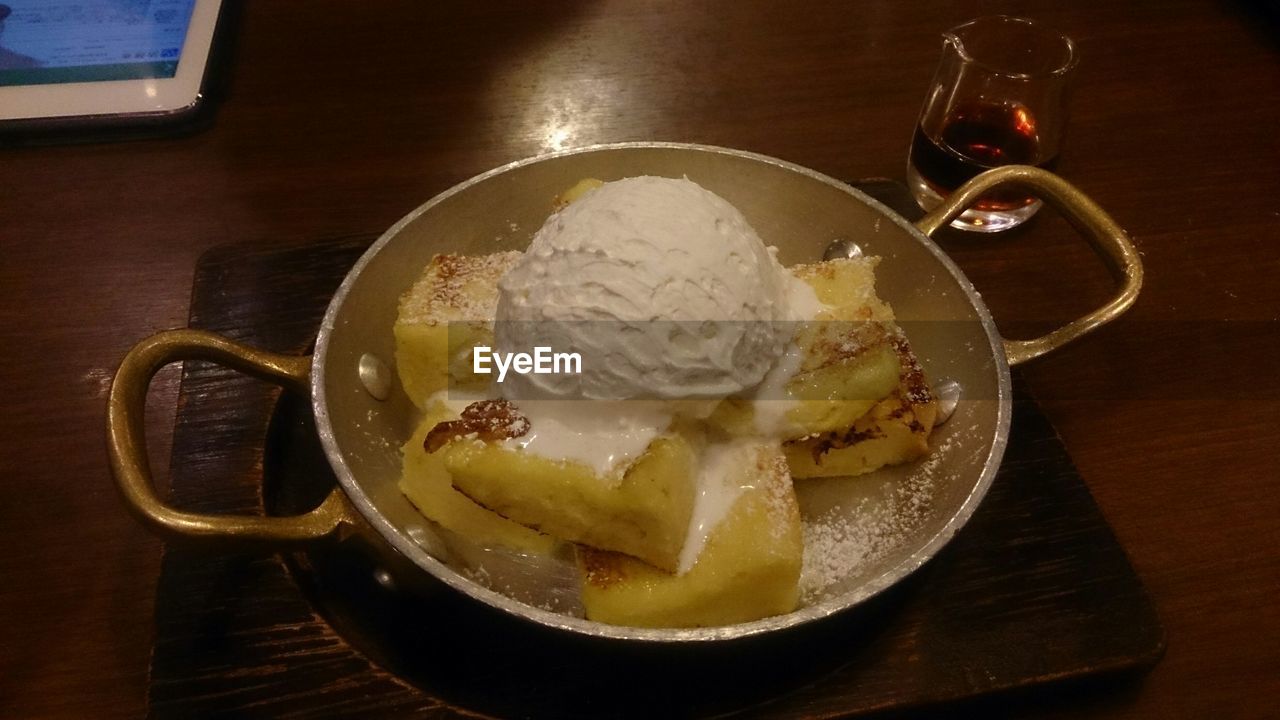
point(644, 513)
point(847, 286)
point(748, 569)
point(426, 482)
point(894, 431)
point(446, 313)
point(847, 362)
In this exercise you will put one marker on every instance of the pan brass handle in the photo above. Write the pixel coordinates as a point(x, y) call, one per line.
point(126, 444)
point(1108, 239)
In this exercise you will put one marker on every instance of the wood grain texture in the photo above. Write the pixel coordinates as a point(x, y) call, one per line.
point(337, 121)
point(1034, 589)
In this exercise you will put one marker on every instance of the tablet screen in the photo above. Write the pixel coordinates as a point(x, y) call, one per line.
point(45, 42)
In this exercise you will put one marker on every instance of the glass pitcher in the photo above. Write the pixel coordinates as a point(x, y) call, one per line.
point(998, 97)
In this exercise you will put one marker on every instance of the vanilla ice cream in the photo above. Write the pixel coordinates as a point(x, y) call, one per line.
point(661, 285)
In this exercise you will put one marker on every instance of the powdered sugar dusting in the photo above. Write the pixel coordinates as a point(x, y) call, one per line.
point(842, 541)
point(781, 496)
point(457, 287)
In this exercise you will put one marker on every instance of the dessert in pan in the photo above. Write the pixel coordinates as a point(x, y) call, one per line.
point(712, 406)
point(646, 384)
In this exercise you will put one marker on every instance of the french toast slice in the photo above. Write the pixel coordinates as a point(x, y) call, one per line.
point(645, 512)
point(847, 286)
point(427, 484)
point(896, 430)
point(748, 569)
point(442, 318)
point(847, 359)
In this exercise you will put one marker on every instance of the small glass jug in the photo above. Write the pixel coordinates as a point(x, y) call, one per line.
point(998, 97)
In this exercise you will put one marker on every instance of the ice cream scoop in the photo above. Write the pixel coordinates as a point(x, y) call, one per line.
point(661, 286)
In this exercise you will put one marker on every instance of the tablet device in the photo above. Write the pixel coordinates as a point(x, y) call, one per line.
point(95, 62)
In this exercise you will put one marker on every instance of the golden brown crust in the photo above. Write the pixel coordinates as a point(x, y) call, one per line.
point(456, 287)
point(602, 568)
point(840, 440)
point(913, 379)
point(911, 395)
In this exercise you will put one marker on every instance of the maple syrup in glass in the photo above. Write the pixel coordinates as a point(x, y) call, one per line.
point(975, 138)
point(997, 98)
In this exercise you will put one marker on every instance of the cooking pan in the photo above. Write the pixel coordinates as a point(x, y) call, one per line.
point(868, 532)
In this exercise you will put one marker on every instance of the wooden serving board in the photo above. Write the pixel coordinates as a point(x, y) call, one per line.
point(1033, 593)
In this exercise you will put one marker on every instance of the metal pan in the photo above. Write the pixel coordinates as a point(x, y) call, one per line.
point(798, 210)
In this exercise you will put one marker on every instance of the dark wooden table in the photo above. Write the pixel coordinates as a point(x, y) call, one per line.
point(341, 118)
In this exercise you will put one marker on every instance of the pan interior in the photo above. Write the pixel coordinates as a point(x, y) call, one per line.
point(862, 534)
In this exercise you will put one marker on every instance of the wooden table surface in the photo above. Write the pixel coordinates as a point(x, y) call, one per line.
point(340, 118)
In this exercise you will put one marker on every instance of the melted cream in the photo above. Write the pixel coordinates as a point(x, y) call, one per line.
point(723, 475)
point(723, 472)
point(770, 400)
point(605, 436)
point(802, 301)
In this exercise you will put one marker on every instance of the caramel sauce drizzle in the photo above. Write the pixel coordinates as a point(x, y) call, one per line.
point(486, 420)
